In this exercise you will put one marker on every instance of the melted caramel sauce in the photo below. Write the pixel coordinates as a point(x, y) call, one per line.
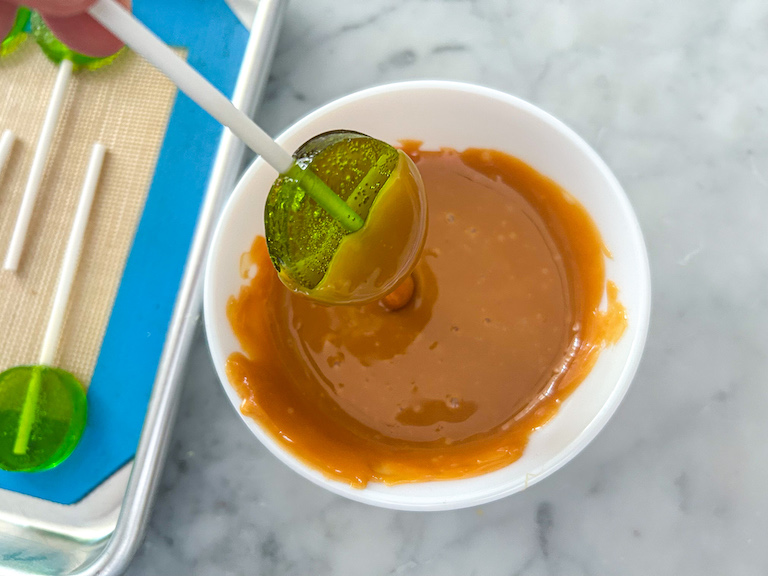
point(504, 323)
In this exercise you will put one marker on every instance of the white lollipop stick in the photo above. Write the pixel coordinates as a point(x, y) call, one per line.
point(140, 39)
point(6, 143)
point(71, 257)
point(38, 166)
point(133, 33)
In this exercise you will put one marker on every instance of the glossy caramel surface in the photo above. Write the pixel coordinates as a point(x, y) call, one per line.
point(503, 325)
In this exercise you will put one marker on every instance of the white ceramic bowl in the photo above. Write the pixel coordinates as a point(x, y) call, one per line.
point(449, 114)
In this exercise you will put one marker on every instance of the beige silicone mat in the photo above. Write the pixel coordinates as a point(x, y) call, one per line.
point(126, 107)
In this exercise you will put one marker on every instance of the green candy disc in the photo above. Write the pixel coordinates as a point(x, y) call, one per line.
point(54, 420)
point(301, 236)
point(17, 34)
point(56, 51)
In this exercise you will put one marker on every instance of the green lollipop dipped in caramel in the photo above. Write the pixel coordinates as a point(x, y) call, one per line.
point(346, 218)
point(346, 224)
point(17, 34)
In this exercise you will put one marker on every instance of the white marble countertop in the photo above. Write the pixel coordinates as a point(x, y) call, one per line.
point(673, 95)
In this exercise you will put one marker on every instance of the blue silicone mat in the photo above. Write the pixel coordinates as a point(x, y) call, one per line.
point(125, 370)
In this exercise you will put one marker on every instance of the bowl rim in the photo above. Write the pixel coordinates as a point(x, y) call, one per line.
point(579, 442)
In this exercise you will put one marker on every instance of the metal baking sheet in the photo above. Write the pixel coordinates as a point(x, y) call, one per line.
point(101, 533)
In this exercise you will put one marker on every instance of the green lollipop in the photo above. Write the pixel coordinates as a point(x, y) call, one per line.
point(312, 247)
point(56, 51)
point(17, 34)
point(43, 409)
point(42, 416)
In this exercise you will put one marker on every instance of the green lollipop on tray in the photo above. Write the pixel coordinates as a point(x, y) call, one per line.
point(346, 218)
point(42, 416)
point(43, 409)
point(17, 34)
point(57, 51)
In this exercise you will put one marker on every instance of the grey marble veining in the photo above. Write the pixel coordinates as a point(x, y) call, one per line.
point(673, 95)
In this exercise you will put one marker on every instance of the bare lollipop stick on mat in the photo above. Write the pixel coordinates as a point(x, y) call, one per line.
point(68, 62)
point(44, 408)
point(6, 143)
point(38, 165)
